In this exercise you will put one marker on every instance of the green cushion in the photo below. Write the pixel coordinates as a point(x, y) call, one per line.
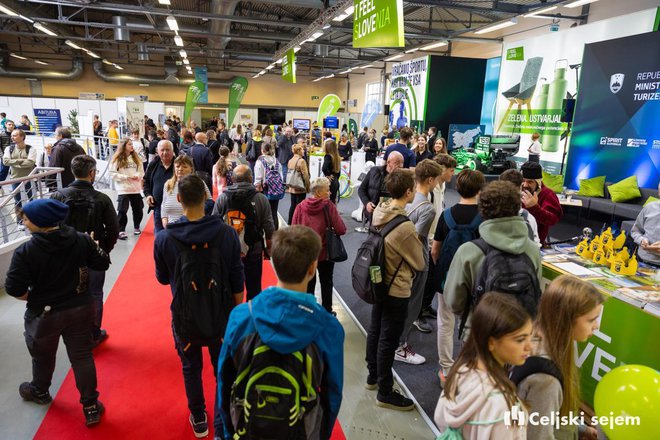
point(554, 181)
point(651, 199)
point(624, 190)
point(594, 187)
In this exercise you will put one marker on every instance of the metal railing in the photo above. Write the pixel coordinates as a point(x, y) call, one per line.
point(40, 183)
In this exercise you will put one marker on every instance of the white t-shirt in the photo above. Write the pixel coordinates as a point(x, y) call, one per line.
point(535, 148)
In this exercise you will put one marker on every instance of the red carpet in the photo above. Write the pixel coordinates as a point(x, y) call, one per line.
point(139, 373)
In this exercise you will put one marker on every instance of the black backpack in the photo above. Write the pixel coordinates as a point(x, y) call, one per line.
point(533, 365)
point(82, 215)
point(241, 215)
point(504, 273)
point(458, 234)
point(12, 147)
point(275, 395)
point(368, 272)
point(202, 298)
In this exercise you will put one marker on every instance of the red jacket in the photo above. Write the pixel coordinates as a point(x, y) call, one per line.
point(547, 212)
point(310, 212)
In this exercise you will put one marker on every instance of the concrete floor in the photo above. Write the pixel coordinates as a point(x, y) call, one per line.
point(359, 416)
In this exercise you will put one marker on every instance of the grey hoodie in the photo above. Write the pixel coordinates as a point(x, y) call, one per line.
point(509, 234)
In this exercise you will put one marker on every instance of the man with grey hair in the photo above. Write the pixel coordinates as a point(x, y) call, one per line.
point(202, 159)
point(248, 211)
point(64, 150)
point(159, 171)
point(372, 189)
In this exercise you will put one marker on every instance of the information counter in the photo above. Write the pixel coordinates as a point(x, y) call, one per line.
point(630, 324)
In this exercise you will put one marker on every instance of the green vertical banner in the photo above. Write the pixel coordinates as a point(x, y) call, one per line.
point(195, 91)
point(378, 23)
point(237, 90)
point(352, 126)
point(201, 74)
point(328, 107)
point(289, 66)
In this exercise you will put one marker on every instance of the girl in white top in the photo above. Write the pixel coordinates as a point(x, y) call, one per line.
point(140, 149)
point(534, 150)
point(171, 209)
point(126, 171)
point(478, 392)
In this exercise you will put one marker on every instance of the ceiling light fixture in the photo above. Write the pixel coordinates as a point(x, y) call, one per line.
point(8, 11)
point(434, 45)
point(366, 67)
point(263, 72)
point(178, 40)
point(17, 56)
point(164, 2)
point(340, 18)
point(255, 76)
point(91, 54)
point(143, 85)
point(43, 63)
point(540, 11)
point(346, 71)
point(327, 26)
point(190, 72)
point(413, 50)
point(44, 29)
point(394, 57)
point(349, 10)
point(497, 26)
point(185, 61)
point(183, 54)
point(315, 35)
point(171, 22)
point(318, 79)
point(72, 44)
point(272, 66)
point(579, 3)
point(332, 75)
point(118, 67)
point(296, 49)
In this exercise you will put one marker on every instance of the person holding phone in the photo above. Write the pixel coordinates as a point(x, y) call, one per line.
point(539, 200)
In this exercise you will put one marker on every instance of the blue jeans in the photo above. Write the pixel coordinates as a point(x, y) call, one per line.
point(4, 171)
point(42, 335)
point(192, 363)
point(158, 221)
point(96, 280)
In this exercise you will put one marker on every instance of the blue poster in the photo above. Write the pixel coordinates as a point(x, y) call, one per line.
point(47, 120)
point(371, 110)
point(201, 74)
point(490, 93)
point(463, 135)
point(616, 133)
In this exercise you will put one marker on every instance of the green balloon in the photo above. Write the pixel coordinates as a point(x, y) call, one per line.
point(630, 391)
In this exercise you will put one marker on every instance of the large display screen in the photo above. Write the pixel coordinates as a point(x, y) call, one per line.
point(302, 124)
point(331, 122)
point(617, 117)
point(271, 116)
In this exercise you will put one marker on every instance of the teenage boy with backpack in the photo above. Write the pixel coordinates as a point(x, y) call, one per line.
point(91, 212)
point(285, 331)
point(248, 212)
point(503, 260)
point(199, 257)
point(421, 212)
point(403, 257)
point(457, 225)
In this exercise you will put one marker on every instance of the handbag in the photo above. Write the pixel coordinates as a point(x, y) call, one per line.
point(295, 179)
point(335, 250)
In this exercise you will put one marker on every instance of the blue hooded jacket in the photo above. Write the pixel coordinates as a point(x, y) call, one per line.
point(286, 321)
point(198, 231)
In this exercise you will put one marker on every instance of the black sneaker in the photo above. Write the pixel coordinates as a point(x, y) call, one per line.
point(29, 394)
point(199, 425)
point(103, 335)
point(372, 384)
point(93, 413)
point(422, 325)
point(428, 312)
point(394, 400)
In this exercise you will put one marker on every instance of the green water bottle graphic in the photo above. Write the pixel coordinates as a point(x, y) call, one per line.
point(541, 98)
point(556, 94)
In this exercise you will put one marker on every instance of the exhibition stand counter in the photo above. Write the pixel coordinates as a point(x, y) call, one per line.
point(629, 324)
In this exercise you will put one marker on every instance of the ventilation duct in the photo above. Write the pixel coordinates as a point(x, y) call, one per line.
point(142, 52)
point(169, 79)
point(320, 50)
point(75, 72)
point(220, 27)
point(121, 30)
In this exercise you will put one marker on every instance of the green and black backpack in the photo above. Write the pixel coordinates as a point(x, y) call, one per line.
point(275, 395)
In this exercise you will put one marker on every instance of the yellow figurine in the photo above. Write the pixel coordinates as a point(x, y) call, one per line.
point(595, 244)
point(599, 257)
point(620, 267)
point(582, 249)
point(606, 237)
point(620, 240)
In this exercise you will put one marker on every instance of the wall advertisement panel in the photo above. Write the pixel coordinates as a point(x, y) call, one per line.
point(408, 92)
point(537, 74)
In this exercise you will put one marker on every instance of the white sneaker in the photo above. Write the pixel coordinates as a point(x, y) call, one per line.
point(407, 355)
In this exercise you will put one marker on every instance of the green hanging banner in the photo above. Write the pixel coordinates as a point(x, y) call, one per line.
point(328, 107)
point(289, 66)
point(237, 90)
point(378, 23)
point(352, 126)
point(195, 91)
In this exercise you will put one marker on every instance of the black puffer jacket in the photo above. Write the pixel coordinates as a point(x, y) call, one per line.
point(372, 187)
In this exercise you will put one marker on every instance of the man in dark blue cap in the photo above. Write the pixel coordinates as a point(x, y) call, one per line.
point(58, 301)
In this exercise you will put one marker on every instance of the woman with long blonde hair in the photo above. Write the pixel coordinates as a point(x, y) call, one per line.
point(569, 312)
point(171, 209)
point(126, 171)
point(331, 168)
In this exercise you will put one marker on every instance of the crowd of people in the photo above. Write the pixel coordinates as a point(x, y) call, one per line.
point(277, 354)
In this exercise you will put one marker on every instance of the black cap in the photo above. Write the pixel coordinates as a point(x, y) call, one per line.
point(532, 170)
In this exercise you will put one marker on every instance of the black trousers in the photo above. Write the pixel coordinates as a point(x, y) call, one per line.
point(135, 200)
point(253, 268)
point(325, 268)
point(429, 288)
point(273, 210)
point(42, 336)
point(295, 201)
point(387, 320)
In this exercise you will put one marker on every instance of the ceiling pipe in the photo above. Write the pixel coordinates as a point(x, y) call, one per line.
point(217, 44)
point(170, 79)
point(121, 31)
point(74, 73)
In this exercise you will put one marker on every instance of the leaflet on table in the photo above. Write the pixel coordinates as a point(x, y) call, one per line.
point(640, 296)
